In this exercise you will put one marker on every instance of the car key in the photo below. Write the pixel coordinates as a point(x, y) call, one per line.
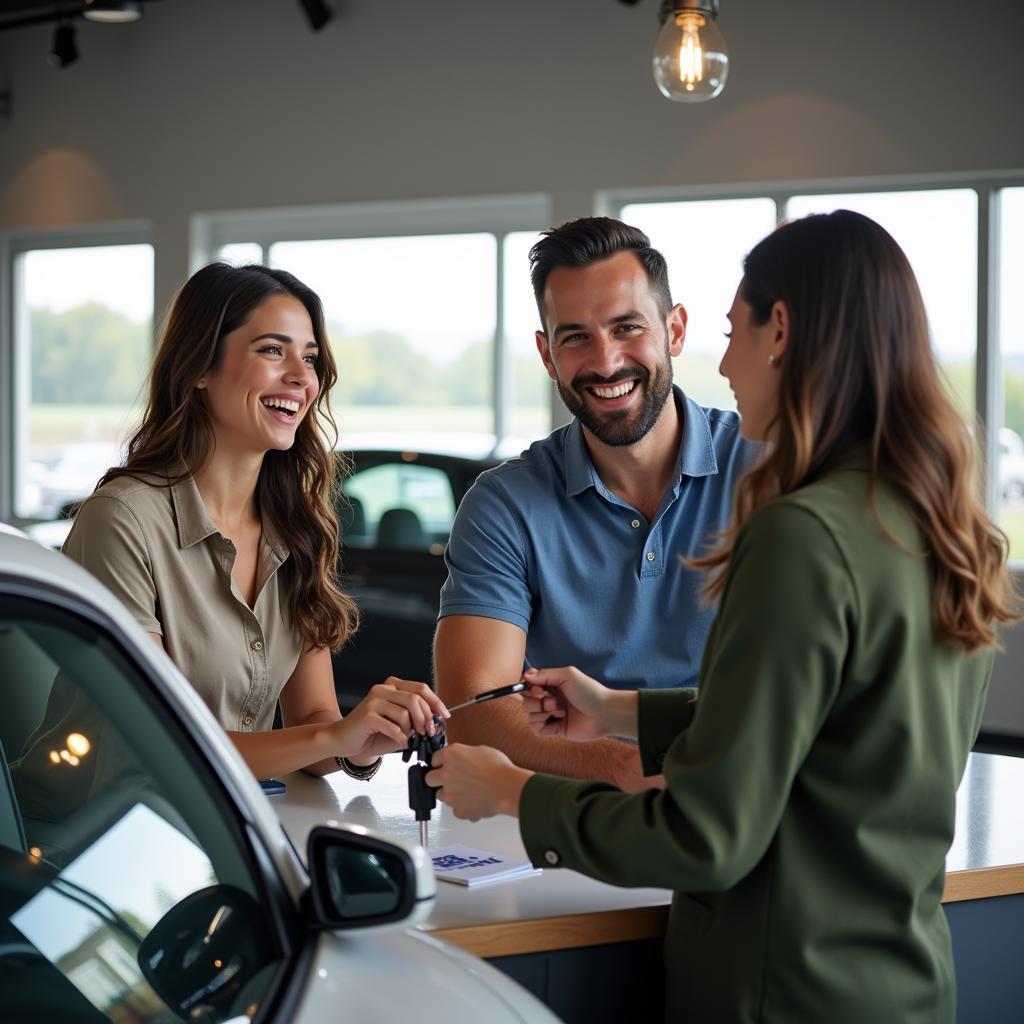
point(423, 798)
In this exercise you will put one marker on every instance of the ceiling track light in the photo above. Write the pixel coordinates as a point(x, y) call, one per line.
point(317, 13)
point(111, 12)
point(64, 51)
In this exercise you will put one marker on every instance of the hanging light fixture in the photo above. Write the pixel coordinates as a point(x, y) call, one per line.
point(691, 60)
point(111, 12)
point(64, 51)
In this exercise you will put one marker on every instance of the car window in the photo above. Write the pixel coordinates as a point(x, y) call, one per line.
point(114, 848)
point(398, 506)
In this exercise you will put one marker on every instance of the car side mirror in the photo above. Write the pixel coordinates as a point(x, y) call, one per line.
point(360, 880)
point(204, 951)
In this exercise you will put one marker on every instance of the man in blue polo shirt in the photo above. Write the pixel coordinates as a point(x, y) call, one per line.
point(569, 554)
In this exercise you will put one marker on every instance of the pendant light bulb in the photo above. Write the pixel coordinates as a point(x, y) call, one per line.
point(691, 60)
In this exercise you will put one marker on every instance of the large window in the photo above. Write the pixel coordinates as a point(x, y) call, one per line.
point(704, 243)
point(938, 230)
point(83, 341)
point(941, 229)
point(429, 311)
point(1010, 473)
point(411, 322)
point(528, 387)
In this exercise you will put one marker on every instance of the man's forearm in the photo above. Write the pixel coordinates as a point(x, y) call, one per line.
point(507, 729)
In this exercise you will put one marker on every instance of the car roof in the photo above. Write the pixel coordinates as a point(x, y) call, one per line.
point(413, 455)
point(469, 446)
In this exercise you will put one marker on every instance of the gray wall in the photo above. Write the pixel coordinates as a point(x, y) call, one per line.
point(236, 104)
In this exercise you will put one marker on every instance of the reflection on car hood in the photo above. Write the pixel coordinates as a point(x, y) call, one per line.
point(355, 976)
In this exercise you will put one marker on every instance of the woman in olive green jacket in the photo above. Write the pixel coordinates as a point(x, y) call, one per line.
point(810, 782)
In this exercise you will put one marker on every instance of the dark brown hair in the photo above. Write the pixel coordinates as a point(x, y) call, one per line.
point(858, 374)
point(578, 243)
point(296, 488)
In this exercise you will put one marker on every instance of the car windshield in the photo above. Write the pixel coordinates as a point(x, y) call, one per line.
point(111, 838)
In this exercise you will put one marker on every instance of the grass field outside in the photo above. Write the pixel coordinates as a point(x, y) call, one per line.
point(71, 424)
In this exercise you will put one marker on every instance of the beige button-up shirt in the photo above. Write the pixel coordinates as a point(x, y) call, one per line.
point(157, 550)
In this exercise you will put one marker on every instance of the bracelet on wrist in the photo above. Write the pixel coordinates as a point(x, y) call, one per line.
point(365, 772)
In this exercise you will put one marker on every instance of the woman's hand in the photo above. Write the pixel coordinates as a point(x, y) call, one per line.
point(382, 721)
point(564, 702)
point(477, 782)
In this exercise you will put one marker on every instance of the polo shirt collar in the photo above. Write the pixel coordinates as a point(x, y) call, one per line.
point(696, 453)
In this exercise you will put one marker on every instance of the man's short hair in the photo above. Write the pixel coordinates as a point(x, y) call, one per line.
point(578, 243)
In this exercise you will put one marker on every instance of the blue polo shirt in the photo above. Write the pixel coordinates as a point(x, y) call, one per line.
point(542, 543)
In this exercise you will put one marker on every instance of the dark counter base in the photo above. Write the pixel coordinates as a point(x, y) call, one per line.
point(624, 981)
point(611, 984)
point(988, 951)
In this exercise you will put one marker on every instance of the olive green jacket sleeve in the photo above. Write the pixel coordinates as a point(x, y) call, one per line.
point(772, 668)
point(663, 715)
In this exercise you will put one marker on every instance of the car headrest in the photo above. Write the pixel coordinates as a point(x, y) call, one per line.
point(400, 528)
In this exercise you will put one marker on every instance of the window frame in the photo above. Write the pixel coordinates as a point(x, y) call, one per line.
point(988, 388)
point(14, 364)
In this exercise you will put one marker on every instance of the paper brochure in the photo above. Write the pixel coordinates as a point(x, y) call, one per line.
point(465, 866)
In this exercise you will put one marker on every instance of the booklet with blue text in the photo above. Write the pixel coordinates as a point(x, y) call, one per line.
point(465, 866)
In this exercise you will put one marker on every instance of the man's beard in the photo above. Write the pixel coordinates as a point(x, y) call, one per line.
point(620, 427)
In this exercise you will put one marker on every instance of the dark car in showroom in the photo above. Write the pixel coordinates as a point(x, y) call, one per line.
point(396, 514)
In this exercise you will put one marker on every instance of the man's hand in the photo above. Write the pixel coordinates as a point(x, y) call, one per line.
point(477, 782)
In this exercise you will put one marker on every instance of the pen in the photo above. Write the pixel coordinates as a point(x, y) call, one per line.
point(501, 691)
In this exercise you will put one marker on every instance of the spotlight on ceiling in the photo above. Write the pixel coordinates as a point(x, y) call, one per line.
point(111, 12)
point(63, 52)
point(317, 12)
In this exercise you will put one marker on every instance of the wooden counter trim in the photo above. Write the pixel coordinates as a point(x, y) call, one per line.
point(981, 883)
point(571, 931)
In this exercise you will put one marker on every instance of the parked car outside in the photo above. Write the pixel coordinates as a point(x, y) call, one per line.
point(145, 877)
point(71, 476)
point(1011, 465)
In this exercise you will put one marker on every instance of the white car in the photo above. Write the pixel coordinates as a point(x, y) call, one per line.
point(145, 877)
point(1011, 465)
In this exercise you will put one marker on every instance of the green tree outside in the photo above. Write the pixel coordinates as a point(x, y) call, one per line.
point(89, 354)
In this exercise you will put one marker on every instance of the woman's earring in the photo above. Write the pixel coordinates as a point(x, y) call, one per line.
point(772, 360)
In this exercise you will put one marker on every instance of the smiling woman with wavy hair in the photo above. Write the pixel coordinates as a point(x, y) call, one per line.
point(810, 780)
point(218, 535)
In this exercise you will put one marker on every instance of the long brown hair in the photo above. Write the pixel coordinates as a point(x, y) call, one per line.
point(858, 374)
point(296, 488)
